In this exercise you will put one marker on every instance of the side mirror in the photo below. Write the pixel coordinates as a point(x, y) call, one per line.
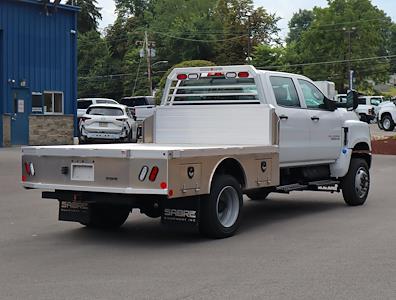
point(352, 100)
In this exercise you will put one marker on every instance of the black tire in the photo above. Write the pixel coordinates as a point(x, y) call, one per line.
point(218, 224)
point(379, 123)
point(258, 195)
point(355, 195)
point(388, 118)
point(107, 216)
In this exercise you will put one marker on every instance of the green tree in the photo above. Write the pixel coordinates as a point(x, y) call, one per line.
point(97, 68)
point(266, 56)
point(327, 40)
point(243, 28)
point(89, 15)
point(299, 23)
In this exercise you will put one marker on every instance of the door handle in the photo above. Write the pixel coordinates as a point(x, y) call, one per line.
point(315, 118)
point(283, 117)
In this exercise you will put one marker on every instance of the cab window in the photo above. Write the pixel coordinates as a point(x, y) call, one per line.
point(314, 98)
point(285, 91)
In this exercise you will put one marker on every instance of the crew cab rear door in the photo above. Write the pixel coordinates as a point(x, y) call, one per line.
point(294, 121)
point(325, 125)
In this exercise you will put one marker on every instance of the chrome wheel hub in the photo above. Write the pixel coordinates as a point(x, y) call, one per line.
point(386, 123)
point(362, 183)
point(227, 206)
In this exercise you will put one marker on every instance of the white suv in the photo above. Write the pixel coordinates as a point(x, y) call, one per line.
point(84, 103)
point(111, 122)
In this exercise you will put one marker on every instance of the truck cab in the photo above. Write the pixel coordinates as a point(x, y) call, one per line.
point(313, 130)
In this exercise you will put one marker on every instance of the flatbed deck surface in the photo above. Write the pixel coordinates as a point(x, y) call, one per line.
point(145, 150)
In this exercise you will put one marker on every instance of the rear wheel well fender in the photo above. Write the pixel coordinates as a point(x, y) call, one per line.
point(232, 167)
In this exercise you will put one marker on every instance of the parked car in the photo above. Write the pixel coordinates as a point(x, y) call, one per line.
point(374, 101)
point(387, 116)
point(84, 103)
point(365, 112)
point(141, 106)
point(108, 122)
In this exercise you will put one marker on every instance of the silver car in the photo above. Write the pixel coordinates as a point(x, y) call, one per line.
point(111, 122)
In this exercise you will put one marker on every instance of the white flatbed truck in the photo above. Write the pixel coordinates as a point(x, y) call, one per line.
point(219, 133)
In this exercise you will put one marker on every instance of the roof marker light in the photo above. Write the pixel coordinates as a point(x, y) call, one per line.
point(182, 76)
point(193, 76)
point(231, 75)
point(243, 74)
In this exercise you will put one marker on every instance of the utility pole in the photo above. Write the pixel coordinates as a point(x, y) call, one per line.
point(148, 51)
point(350, 72)
point(148, 54)
point(249, 45)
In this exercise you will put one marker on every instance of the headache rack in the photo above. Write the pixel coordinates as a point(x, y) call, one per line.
point(212, 86)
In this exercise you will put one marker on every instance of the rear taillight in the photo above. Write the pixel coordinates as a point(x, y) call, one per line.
point(29, 168)
point(153, 173)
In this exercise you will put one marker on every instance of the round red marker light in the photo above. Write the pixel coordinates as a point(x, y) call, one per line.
point(170, 193)
point(163, 185)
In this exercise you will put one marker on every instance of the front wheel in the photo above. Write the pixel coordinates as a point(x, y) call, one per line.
point(387, 123)
point(221, 210)
point(107, 216)
point(356, 184)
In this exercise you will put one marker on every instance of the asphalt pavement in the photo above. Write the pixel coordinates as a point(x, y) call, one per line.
point(299, 246)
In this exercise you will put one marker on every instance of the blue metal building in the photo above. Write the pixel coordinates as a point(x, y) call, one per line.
point(38, 64)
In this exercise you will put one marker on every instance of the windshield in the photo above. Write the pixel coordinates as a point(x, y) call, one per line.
point(105, 111)
point(104, 101)
point(376, 101)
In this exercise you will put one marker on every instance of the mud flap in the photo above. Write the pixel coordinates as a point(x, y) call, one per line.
point(74, 211)
point(181, 211)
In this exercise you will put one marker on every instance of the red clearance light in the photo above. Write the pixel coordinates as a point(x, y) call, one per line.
point(24, 178)
point(153, 174)
point(243, 74)
point(182, 76)
point(170, 193)
point(163, 185)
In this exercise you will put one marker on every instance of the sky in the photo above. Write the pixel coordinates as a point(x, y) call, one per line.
point(282, 8)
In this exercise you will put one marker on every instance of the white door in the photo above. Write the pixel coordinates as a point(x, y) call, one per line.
point(325, 125)
point(294, 125)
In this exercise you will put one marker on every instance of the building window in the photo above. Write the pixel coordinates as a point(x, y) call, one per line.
point(53, 102)
point(37, 103)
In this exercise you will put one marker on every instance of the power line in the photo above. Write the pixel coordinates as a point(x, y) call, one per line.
point(329, 62)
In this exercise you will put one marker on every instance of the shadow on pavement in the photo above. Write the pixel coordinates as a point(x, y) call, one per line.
point(144, 232)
